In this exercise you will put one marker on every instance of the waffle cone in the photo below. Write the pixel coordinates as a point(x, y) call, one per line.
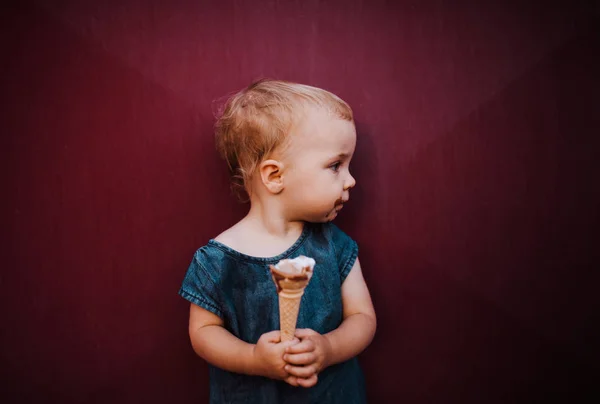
point(290, 288)
point(289, 306)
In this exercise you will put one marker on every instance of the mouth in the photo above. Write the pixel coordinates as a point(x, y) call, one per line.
point(339, 204)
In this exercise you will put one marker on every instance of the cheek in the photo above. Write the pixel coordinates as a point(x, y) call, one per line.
point(315, 186)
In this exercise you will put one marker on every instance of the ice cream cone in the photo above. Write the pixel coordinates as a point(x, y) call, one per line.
point(291, 278)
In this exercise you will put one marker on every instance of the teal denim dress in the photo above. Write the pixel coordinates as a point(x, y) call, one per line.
point(239, 289)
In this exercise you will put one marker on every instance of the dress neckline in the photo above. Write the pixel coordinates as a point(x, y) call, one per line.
point(251, 258)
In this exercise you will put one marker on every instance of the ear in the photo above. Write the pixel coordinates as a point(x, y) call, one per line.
point(271, 175)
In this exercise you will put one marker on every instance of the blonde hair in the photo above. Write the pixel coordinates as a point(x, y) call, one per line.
point(257, 120)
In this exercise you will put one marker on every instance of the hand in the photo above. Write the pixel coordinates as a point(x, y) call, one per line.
point(268, 356)
point(307, 358)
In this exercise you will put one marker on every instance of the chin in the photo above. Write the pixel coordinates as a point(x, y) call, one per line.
point(323, 219)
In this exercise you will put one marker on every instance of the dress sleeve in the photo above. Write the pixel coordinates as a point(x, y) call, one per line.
point(199, 288)
point(346, 251)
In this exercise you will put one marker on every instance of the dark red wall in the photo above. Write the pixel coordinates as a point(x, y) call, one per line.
point(476, 207)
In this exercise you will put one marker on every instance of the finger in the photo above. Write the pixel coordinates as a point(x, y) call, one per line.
point(304, 332)
point(306, 345)
point(272, 336)
point(309, 382)
point(287, 344)
point(305, 358)
point(300, 371)
point(291, 380)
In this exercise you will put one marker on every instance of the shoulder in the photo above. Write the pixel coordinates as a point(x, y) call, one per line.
point(213, 264)
point(331, 236)
point(344, 248)
point(211, 257)
point(332, 232)
point(205, 258)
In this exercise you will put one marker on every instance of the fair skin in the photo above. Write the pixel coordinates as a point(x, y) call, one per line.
point(308, 180)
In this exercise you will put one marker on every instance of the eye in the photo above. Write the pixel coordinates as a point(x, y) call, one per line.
point(336, 166)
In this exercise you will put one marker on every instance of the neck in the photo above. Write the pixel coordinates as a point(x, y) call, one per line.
point(267, 215)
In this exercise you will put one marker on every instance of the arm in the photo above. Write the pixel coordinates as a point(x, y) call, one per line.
point(230, 353)
point(212, 342)
point(358, 327)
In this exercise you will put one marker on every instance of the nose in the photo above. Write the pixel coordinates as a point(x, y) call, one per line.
point(350, 182)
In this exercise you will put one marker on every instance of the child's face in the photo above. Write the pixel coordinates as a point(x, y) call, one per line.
point(318, 180)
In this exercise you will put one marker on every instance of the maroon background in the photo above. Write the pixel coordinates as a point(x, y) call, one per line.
point(476, 207)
